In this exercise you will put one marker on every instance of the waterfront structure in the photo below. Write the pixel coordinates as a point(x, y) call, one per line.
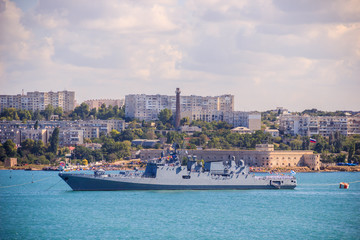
point(10, 162)
point(306, 125)
point(39, 100)
point(263, 156)
point(97, 103)
point(218, 108)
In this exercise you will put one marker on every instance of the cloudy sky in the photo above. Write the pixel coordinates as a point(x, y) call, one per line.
point(296, 54)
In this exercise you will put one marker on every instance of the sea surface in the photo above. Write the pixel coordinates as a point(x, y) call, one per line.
point(39, 205)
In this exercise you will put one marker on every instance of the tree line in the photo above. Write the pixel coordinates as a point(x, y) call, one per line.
point(214, 135)
point(33, 152)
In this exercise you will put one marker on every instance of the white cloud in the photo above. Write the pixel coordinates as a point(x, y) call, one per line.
point(266, 53)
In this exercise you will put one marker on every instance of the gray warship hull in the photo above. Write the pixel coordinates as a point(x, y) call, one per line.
point(176, 178)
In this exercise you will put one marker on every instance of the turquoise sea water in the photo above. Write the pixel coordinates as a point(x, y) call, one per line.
point(48, 209)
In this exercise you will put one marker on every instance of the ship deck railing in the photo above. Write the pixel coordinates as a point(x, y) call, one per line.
point(276, 177)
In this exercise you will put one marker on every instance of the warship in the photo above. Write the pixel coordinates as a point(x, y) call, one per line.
point(167, 173)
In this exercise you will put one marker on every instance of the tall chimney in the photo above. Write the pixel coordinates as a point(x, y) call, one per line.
point(177, 114)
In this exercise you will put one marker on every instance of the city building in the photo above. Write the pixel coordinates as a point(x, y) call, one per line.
point(146, 143)
point(10, 162)
point(70, 137)
point(241, 130)
point(306, 125)
point(147, 107)
point(190, 130)
point(71, 132)
point(218, 108)
point(12, 134)
point(96, 103)
point(34, 134)
point(273, 132)
point(39, 100)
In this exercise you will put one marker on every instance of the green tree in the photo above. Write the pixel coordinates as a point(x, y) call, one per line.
point(93, 113)
point(28, 144)
point(305, 143)
point(185, 121)
point(82, 152)
point(340, 158)
point(165, 116)
point(38, 148)
point(214, 143)
point(10, 148)
point(80, 112)
point(24, 115)
point(296, 144)
point(351, 152)
point(51, 157)
point(128, 135)
point(59, 111)
point(37, 115)
point(49, 110)
point(319, 147)
point(54, 141)
point(2, 153)
point(42, 160)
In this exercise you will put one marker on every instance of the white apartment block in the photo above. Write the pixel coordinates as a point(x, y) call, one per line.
point(208, 109)
point(147, 107)
point(70, 137)
point(96, 103)
point(39, 100)
point(324, 125)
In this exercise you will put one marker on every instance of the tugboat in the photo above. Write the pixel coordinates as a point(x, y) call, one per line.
point(166, 173)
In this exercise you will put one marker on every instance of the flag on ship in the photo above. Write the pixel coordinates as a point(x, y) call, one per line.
point(292, 172)
point(312, 140)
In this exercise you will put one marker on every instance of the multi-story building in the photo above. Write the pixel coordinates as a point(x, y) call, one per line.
point(218, 108)
point(34, 134)
point(324, 125)
point(71, 132)
point(39, 100)
point(147, 107)
point(12, 134)
point(96, 103)
point(71, 137)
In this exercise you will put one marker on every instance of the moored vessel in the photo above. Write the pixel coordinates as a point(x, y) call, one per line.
point(166, 173)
